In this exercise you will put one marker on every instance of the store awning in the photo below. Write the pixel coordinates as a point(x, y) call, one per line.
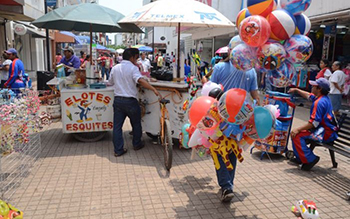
point(63, 38)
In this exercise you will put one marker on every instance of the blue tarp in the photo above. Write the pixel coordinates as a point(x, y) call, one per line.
point(77, 40)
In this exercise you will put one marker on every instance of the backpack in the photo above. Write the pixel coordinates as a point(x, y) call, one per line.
point(107, 63)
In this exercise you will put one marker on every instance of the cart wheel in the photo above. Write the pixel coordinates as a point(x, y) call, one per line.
point(168, 145)
point(89, 136)
point(153, 137)
point(289, 155)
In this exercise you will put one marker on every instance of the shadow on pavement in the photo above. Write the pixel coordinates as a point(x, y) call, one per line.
point(329, 179)
point(203, 202)
point(268, 157)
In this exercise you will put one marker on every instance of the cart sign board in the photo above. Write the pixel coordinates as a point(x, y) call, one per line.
point(87, 110)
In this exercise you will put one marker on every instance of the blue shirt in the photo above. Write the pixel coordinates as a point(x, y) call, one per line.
point(74, 61)
point(226, 74)
point(18, 72)
point(187, 70)
point(321, 115)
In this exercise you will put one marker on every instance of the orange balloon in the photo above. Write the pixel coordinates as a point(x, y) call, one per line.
point(233, 106)
point(199, 109)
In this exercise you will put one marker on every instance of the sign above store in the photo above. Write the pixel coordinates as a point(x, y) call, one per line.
point(20, 29)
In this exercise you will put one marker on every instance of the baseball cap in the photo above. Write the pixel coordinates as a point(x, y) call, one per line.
point(11, 51)
point(68, 48)
point(322, 83)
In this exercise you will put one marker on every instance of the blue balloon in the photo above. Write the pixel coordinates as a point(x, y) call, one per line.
point(185, 135)
point(231, 130)
point(263, 121)
point(295, 7)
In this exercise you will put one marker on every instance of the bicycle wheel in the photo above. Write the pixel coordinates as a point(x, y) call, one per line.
point(167, 145)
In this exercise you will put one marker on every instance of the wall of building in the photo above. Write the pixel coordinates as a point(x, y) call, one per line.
point(319, 7)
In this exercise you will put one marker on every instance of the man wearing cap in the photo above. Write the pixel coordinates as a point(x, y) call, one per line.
point(16, 72)
point(321, 126)
point(70, 60)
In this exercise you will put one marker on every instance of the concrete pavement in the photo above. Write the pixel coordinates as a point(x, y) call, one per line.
point(84, 180)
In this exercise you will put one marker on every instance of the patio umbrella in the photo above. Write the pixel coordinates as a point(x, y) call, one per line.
point(85, 17)
point(222, 50)
point(169, 13)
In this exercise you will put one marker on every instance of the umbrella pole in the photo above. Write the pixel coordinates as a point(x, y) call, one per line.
point(178, 51)
point(91, 45)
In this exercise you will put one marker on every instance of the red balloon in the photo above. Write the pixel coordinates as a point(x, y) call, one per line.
point(255, 30)
point(199, 109)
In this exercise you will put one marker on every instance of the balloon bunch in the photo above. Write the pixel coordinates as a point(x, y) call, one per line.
point(193, 89)
point(273, 36)
point(7, 211)
point(225, 122)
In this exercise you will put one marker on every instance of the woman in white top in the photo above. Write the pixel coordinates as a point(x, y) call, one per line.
point(4, 73)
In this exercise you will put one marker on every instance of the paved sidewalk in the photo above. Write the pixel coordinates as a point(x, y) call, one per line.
point(84, 180)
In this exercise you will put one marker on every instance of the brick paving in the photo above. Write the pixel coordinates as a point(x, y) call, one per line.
point(84, 180)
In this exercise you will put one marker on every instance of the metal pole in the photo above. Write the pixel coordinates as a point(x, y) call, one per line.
point(91, 45)
point(47, 43)
point(178, 51)
point(154, 55)
point(5, 21)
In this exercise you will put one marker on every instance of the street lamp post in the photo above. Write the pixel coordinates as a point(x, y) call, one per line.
point(47, 41)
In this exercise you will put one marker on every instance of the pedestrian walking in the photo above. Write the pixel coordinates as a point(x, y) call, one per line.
point(124, 78)
point(321, 126)
point(337, 81)
point(227, 75)
point(160, 61)
point(146, 65)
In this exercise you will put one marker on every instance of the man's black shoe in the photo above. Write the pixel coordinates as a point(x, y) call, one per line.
point(124, 152)
point(294, 160)
point(139, 147)
point(227, 195)
point(308, 166)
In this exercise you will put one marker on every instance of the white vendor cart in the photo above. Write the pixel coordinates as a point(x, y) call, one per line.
point(87, 113)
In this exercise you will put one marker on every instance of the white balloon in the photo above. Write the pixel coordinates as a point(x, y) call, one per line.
point(207, 87)
point(195, 139)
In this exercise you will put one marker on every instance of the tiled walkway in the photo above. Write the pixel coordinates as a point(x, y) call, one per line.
point(84, 180)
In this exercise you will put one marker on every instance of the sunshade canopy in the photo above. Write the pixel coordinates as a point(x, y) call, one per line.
point(82, 17)
point(170, 13)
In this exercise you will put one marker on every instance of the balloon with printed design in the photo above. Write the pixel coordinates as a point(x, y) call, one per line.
point(234, 42)
point(295, 7)
point(254, 30)
point(299, 48)
point(244, 13)
point(236, 106)
point(303, 24)
point(260, 7)
point(282, 76)
point(243, 57)
point(199, 109)
point(282, 24)
point(271, 55)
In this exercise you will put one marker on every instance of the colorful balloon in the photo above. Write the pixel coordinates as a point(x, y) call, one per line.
point(282, 24)
point(255, 30)
point(211, 120)
point(243, 57)
point(260, 124)
point(185, 135)
point(235, 106)
point(303, 24)
point(295, 7)
point(244, 13)
point(271, 55)
point(283, 76)
point(299, 48)
point(234, 42)
point(260, 7)
point(207, 87)
point(199, 109)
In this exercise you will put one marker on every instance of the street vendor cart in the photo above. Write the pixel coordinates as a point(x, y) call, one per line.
point(169, 111)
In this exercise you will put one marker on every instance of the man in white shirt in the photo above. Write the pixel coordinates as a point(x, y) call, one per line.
point(337, 81)
point(146, 64)
point(4, 73)
point(124, 78)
